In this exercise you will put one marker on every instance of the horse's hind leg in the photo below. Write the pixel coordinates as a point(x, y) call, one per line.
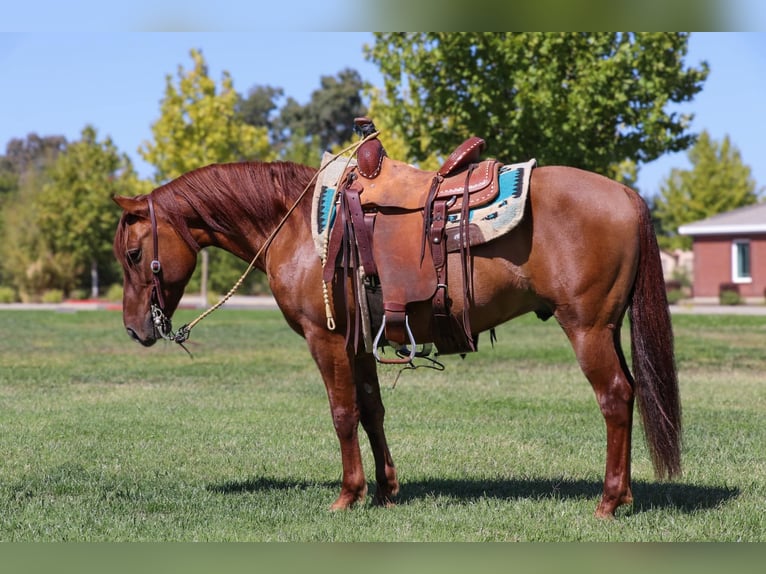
point(600, 356)
point(372, 414)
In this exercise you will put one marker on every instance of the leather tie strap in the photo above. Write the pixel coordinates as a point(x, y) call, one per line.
point(361, 234)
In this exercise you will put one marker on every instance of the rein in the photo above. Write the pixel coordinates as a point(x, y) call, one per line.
point(161, 321)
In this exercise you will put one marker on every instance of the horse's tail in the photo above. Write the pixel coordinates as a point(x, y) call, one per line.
point(654, 368)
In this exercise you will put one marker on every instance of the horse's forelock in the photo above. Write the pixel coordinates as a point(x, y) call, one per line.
point(120, 246)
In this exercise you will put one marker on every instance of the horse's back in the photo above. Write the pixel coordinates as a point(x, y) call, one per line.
point(582, 197)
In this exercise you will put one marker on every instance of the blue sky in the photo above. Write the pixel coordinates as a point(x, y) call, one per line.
point(56, 83)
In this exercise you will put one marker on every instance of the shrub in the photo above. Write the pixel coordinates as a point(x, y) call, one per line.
point(674, 296)
point(53, 296)
point(8, 295)
point(728, 294)
point(79, 294)
point(114, 293)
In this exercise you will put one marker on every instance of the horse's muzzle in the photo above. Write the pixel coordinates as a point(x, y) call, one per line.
point(148, 342)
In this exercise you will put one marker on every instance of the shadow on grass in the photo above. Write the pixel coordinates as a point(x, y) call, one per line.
point(647, 495)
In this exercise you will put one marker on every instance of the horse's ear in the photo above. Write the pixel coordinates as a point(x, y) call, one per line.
point(133, 205)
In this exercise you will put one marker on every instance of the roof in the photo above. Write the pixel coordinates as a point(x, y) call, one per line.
point(749, 219)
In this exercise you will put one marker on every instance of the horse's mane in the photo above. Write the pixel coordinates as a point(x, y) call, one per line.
point(224, 194)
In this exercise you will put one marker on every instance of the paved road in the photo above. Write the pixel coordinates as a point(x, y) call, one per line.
point(267, 302)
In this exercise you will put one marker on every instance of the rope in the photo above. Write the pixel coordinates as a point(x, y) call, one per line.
point(184, 332)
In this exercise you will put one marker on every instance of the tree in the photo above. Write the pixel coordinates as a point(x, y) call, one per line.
point(330, 113)
point(34, 153)
point(22, 175)
point(25, 156)
point(20, 243)
point(303, 132)
point(75, 214)
point(199, 125)
point(718, 181)
point(591, 100)
point(9, 179)
point(258, 108)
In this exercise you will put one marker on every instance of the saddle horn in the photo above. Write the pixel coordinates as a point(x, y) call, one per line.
point(370, 154)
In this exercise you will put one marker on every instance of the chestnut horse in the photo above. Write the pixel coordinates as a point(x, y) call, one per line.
point(585, 253)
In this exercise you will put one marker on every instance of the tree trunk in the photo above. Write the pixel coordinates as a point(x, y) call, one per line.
point(93, 279)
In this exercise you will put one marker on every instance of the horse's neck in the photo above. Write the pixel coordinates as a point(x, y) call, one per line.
point(245, 238)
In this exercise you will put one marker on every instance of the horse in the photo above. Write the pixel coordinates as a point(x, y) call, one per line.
point(584, 253)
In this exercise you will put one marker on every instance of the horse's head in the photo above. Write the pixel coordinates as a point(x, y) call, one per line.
point(157, 264)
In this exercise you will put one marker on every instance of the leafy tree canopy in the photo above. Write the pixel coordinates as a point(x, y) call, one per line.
point(26, 156)
point(591, 100)
point(302, 132)
point(199, 125)
point(258, 108)
point(75, 213)
point(718, 181)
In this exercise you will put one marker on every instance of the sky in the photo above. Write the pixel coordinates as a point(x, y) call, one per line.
point(57, 83)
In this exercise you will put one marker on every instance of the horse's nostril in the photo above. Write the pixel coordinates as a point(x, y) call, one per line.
point(145, 342)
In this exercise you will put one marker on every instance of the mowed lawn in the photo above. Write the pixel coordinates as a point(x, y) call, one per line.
point(103, 440)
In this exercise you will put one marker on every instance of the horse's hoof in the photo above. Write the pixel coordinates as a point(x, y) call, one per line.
point(384, 501)
point(604, 514)
point(348, 501)
point(608, 506)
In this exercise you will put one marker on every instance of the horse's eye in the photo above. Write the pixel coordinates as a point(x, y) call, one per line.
point(134, 255)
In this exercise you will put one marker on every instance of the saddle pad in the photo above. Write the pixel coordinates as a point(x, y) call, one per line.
point(323, 204)
point(499, 217)
point(485, 223)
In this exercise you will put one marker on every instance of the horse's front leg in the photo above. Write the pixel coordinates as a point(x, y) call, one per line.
point(335, 365)
point(372, 414)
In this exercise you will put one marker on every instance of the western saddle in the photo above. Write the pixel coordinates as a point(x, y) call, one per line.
point(389, 235)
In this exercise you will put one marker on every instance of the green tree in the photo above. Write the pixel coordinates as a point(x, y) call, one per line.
point(199, 124)
point(202, 123)
point(26, 156)
point(303, 132)
point(75, 214)
point(33, 154)
point(9, 179)
point(22, 175)
point(258, 108)
point(591, 100)
point(718, 181)
point(20, 244)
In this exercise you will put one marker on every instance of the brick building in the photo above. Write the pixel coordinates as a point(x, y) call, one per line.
point(730, 253)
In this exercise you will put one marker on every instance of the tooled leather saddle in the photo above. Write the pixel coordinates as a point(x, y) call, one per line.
point(389, 235)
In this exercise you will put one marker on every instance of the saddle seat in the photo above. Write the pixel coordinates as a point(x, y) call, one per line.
point(395, 184)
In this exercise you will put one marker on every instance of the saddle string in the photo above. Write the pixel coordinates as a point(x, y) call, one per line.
point(184, 332)
point(326, 233)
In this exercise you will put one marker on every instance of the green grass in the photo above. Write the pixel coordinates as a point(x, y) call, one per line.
point(102, 440)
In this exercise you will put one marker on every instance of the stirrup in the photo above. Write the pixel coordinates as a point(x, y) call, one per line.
point(400, 360)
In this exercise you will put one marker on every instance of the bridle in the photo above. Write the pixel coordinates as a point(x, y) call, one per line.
point(157, 300)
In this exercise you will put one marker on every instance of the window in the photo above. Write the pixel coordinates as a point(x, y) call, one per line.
point(740, 261)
